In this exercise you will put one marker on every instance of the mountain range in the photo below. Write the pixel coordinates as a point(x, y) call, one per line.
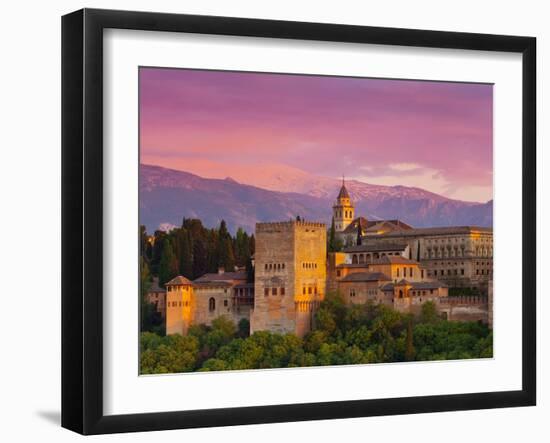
point(168, 195)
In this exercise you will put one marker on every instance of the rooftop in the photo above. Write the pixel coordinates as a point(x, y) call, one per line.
point(366, 276)
point(375, 225)
point(179, 280)
point(343, 192)
point(447, 230)
point(221, 277)
point(377, 247)
point(433, 284)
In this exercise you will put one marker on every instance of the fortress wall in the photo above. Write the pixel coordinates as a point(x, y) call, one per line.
point(289, 255)
point(273, 260)
point(310, 273)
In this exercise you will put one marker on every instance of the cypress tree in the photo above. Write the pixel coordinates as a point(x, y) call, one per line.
point(249, 271)
point(225, 254)
point(200, 258)
point(332, 237)
point(168, 266)
point(185, 257)
point(410, 351)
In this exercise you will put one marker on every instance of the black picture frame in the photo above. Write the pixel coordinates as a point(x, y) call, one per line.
point(82, 217)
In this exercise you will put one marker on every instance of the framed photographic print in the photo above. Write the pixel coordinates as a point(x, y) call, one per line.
point(269, 221)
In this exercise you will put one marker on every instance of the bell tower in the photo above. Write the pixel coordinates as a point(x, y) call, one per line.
point(343, 210)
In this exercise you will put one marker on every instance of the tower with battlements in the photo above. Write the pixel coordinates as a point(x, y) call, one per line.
point(290, 276)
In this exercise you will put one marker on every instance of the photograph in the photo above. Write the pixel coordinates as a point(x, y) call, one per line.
point(290, 220)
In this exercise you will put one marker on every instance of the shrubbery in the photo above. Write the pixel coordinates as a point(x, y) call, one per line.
point(343, 334)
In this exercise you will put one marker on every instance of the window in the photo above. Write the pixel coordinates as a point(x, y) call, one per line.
point(462, 272)
point(283, 265)
point(435, 272)
point(266, 291)
point(212, 304)
point(410, 272)
point(422, 273)
point(225, 303)
point(315, 290)
point(309, 290)
point(266, 266)
point(352, 292)
point(304, 290)
point(273, 291)
point(398, 272)
point(338, 273)
point(283, 290)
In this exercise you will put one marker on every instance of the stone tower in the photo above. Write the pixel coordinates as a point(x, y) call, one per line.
point(179, 305)
point(290, 276)
point(343, 210)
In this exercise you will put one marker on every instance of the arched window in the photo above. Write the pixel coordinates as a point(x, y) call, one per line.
point(212, 304)
point(354, 259)
point(400, 293)
point(361, 258)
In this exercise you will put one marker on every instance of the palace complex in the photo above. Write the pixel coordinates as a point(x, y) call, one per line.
point(383, 261)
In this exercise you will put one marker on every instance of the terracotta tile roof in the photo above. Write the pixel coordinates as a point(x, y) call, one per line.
point(179, 280)
point(374, 225)
point(353, 226)
point(228, 277)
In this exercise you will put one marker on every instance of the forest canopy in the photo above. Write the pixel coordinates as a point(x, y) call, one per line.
point(342, 334)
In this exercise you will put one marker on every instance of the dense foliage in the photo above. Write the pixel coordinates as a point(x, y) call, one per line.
point(343, 334)
point(193, 250)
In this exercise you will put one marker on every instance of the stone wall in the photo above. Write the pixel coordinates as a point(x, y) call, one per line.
point(465, 308)
point(179, 309)
point(290, 276)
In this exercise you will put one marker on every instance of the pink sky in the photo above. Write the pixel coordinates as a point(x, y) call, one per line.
point(433, 135)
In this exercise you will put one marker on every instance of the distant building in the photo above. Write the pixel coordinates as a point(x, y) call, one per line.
point(394, 264)
point(157, 297)
point(347, 226)
point(290, 275)
point(207, 298)
point(460, 256)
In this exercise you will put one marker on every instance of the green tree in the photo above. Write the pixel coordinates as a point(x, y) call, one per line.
point(358, 240)
point(185, 256)
point(168, 266)
point(332, 237)
point(146, 309)
point(200, 258)
point(249, 271)
point(428, 313)
point(225, 255)
point(243, 328)
point(410, 351)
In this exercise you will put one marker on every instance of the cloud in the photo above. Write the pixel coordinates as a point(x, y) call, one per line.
point(417, 175)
